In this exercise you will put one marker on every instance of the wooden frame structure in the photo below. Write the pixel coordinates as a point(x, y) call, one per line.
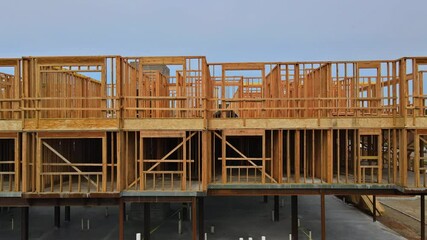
point(111, 126)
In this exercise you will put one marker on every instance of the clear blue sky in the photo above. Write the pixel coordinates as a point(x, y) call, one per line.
point(222, 30)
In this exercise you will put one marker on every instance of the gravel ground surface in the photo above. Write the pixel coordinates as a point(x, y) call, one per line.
point(402, 214)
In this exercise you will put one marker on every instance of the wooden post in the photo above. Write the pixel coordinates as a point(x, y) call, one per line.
point(380, 158)
point(104, 163)
point(417, 159)
point(24, 162)
point(205, 162)
point(263, 158)
point(277, 160)
point(184, 164)
point(120, 173)
point(403, 157)
point(329, 156)
point(224, 164)
point(297, 156)
point(17, 162)
point(38, 164)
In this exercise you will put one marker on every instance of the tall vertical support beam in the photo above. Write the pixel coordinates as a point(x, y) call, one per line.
point(104, 163)
point(184, 163)
point(205, 89)
point(417, 158)
point(24, 223)
point(36, 72)
point(223, 115)
point(201, 223)
point(194, 218)
point(147, 220)
point(380, 156)
point(403, 157)
point(276, 208)
point(57, 216)
point(121, 220)
point(297, 156)
point(263, 158)
point(119, 101)
point(278, 155)
point(67, 213)
point(329, 156)
point(294, 217)
point(223, 157)
point(104, 88)
point(206, 159)
point(16, 87)
point(416, 91)
point(17, 164)
point(24, 162)
point(120, 166)
point(38, 164)
point(403, 89)
point(423, 217)
point(323, 216)
point(141, 164)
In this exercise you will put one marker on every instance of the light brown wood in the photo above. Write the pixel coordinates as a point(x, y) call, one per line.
point(264, 122)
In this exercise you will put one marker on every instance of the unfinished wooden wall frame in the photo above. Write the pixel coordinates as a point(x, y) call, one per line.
point(181, 124)
point(164, 87)
point(70, 88)
point(10, 89)
point(10, 162)
point(163, 160)
point(75, 162)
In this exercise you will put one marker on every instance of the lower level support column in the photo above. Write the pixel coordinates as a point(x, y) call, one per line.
point(57, 216)
point(121, 220)
point(201, 227)
point(67, 213)
point(423, 217)
point(323, 215)
point(194, 218)
point(276, 208)
point(147, 221)
point(374, 208)
point(24, 223)
point(294, 217)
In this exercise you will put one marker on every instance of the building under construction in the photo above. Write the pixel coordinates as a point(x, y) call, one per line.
point(111, 130)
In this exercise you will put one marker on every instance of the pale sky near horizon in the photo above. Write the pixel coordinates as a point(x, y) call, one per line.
point(224, 31)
